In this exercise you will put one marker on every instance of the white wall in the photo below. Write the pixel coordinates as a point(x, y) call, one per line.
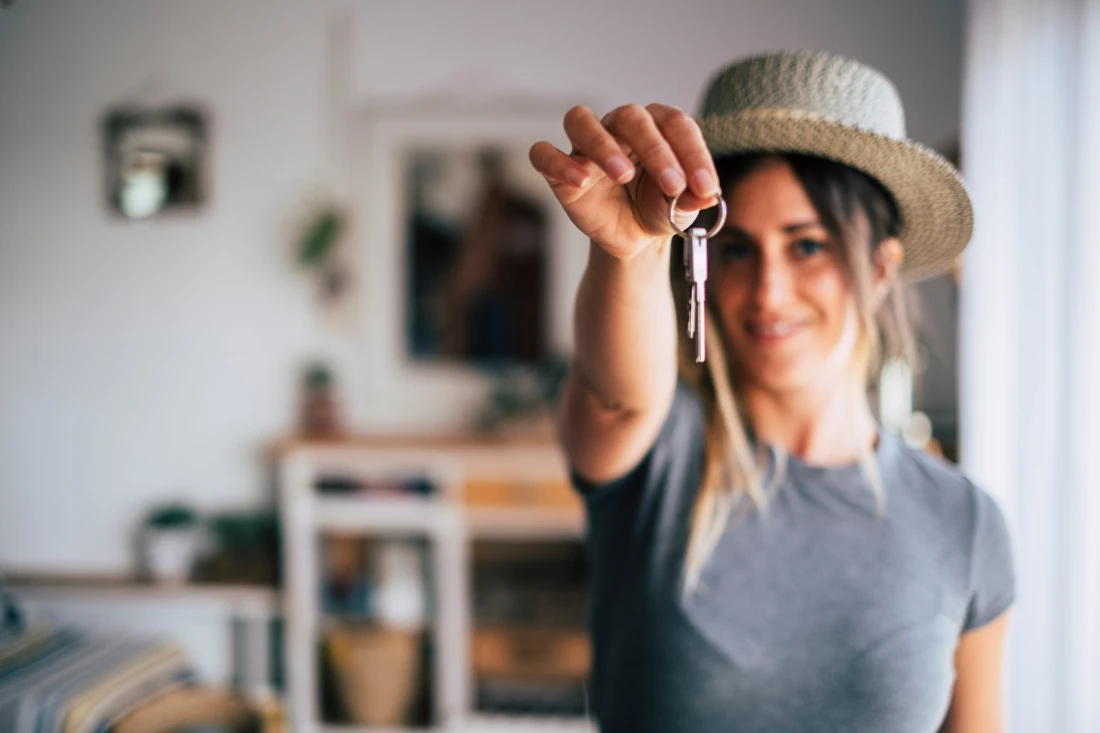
point(138, 362)
point(616, 52)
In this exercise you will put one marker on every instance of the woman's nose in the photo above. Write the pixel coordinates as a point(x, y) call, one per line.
point(773, 282)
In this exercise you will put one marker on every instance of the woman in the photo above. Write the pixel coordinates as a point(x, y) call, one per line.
point(764, 557)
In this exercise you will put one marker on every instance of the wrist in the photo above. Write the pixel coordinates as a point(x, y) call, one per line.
point(636, 253)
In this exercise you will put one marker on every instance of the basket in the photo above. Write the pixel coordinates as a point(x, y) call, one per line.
point(377, 671)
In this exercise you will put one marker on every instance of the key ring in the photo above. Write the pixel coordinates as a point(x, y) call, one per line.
point(713, 230)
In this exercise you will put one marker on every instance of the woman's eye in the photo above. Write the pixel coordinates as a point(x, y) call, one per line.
point(807, 247)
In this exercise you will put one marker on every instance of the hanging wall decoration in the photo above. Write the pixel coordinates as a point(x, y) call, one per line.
point(155, 159)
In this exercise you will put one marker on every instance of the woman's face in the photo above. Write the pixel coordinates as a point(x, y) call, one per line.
point(778, 282)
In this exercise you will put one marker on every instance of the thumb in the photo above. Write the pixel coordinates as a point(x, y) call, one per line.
point(655, 212)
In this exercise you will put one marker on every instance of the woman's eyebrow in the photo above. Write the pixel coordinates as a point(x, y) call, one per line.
point(792, 228)
point(732, 230)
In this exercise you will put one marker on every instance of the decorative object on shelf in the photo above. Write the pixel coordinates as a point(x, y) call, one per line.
point(244, 549)
point(376, 662)
point(320, 410)
point(400, 599)
point(377, 671)
point(155, 159)
point(529, 647)
point(171, 540)
point(403, 486)
point(318, 251)
point(522, 399)
point(346, 588)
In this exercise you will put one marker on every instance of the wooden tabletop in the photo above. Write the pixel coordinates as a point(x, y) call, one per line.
point(420, 441)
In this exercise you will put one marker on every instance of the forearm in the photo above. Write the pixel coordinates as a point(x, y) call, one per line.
point(624, 327)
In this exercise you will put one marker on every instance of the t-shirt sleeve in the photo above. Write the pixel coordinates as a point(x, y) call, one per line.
point(992, 569)
point(679, 431)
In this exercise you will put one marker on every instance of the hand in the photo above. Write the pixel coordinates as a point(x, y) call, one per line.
point(620, 206)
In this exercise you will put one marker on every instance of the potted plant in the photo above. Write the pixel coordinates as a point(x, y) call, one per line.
point(320, 412)
point(522, 399)
point(317, 251)
point(171, 540)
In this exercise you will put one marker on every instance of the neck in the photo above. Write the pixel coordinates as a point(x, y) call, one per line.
point(821, 425)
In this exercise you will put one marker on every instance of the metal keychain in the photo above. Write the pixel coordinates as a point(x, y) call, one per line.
point(695, 272)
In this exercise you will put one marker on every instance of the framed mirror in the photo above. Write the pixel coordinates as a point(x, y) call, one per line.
point(468, 264)
point(154, 160)
point(476, 257)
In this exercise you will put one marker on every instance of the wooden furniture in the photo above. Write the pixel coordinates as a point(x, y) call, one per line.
point(513, 491)
point(193, 708)
point(531, 652)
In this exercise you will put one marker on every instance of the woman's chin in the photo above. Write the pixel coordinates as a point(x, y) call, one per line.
point(782, 377)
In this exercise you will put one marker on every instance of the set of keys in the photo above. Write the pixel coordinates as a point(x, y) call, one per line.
point(695, 272)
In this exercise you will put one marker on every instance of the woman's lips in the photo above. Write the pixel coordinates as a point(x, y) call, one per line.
point(773, 332)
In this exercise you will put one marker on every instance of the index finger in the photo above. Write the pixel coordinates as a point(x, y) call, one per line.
point(686, 140)
point(591, 139)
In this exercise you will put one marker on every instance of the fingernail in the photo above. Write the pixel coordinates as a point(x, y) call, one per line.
point(619, 168)
point(671, 181)
point(703, 183)
point(575, 177)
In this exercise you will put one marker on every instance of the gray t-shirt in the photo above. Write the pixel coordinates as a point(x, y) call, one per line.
point(819, 616)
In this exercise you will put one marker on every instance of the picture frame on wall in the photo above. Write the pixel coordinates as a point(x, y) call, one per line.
point(476, 251)
point(467, 262)
point(155, 159)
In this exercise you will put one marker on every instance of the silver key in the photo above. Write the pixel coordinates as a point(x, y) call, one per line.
point(695, 271)
point(691, 313)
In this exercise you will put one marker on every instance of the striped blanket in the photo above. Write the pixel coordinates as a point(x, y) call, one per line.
point(68, 681)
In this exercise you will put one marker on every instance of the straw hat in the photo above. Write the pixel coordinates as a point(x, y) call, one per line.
point(832, 107)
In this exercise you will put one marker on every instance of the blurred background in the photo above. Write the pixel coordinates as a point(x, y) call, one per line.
point(283, 309)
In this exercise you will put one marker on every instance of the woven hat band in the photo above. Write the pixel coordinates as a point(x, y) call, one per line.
point(828, 87)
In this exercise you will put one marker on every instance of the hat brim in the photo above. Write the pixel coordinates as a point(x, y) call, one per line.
point(937, 219)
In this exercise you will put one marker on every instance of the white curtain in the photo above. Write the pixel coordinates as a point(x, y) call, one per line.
point(1030, 336)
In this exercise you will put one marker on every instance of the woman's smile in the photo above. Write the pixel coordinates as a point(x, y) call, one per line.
point(775, 332)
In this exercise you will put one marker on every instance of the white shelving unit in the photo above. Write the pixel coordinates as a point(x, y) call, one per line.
point(307, 514)
point(446, 521)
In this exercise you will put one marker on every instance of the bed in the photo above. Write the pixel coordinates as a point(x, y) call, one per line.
point(56, 679)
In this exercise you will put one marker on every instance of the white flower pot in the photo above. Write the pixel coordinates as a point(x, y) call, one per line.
point(170, 553)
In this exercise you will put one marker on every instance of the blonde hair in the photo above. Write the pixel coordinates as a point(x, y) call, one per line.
point(733, 470)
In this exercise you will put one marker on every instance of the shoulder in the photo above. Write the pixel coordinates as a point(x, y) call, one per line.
point(951, 508)
point(937, 486)
point(686, 421)
point(943, 505)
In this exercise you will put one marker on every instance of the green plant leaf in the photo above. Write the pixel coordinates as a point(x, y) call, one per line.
point(320, 238)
